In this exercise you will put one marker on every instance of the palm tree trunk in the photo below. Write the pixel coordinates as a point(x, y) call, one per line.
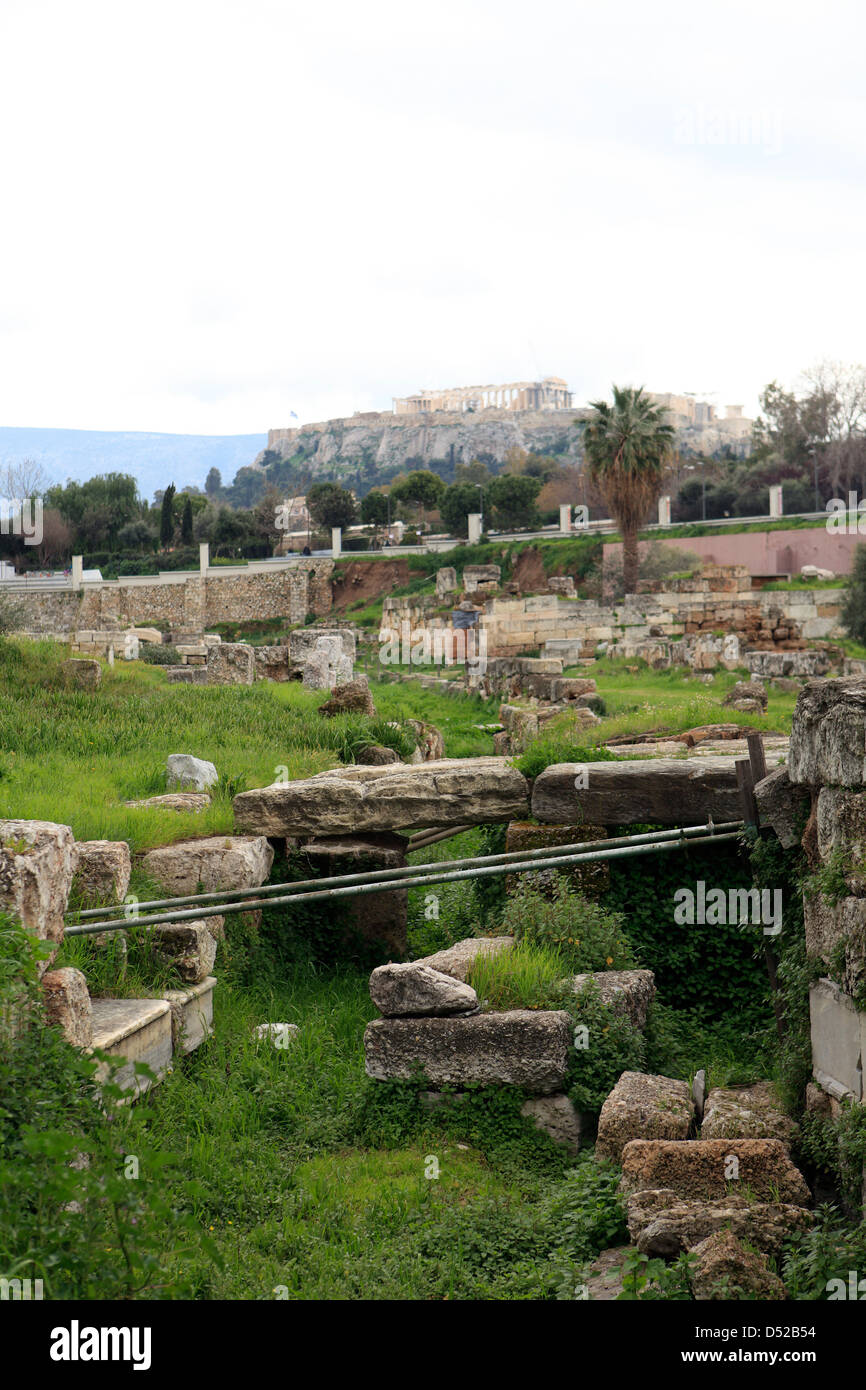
point(630, 561)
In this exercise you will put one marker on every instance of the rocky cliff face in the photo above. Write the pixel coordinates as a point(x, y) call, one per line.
point(386, 443)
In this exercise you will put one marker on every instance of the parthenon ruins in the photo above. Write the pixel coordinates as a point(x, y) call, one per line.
point(551, 393)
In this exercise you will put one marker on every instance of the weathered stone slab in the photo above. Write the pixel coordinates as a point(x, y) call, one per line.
point(138, 1030)
point(191, 1014)
point(379, 919)
point(628, 992)
point(231, 663)
point(272, 663)
point(828, 735)
point(642, 1106)
point(747, 1112)
point(37, 862)
point(188, 802)
point(222, 862)
point(704, 1168)
point(556, 1117)
point(665, 791)
point(190, 947)
point(725, 1269)
point(355, 800)
point(828, 924)
point(841, 828)
point(67, 1004)
point(518, 1048)
point(457, 960)
point(81, 673)
point(104, 867)
point(413, 989)
point(838, 1036)
point(663, 1226)
point(782, 806)
point(184, 772)
point(590, 879)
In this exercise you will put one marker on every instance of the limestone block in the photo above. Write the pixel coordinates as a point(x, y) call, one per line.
point(662, 1225)
point(703, 1168)
point(667, 791)
point(747, 1112)
point(104, 867)
point(222, 862)
point(67, 1004)
point(138, 1030)
point(193, 774)
point(356, 800)
point(413, 988)
point(556, 1117)
point(628, 992)
point(642, 1106)
point(837, 1029)
point(188, 946)
point(519, 1048)
point(231, 663)
point(191, 1014)
point(782, 806)
point(38, 860)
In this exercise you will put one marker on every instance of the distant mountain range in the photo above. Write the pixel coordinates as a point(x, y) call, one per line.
point(154, 459)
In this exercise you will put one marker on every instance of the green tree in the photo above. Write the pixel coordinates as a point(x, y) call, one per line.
point(331, 505)
point(374, 509)
point(421, 487)
point(213, 484)
point(628, 446)
point(456, 503)
point(166, 519)
point(854, 608)
point(186, 522)
point(512, 499)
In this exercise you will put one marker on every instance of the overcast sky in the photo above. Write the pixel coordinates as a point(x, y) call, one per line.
point(217, 213)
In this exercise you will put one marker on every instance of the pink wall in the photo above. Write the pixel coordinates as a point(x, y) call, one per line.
point(767, 552)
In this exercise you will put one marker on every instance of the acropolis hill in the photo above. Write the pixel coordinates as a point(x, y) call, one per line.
point(444, 427)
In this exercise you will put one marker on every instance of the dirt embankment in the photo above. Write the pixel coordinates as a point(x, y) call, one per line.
point(528, 572)
point(367, 580)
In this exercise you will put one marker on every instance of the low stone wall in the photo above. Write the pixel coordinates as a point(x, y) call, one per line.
point(185, 602)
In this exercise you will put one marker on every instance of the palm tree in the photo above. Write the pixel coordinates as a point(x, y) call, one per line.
point(627, 447)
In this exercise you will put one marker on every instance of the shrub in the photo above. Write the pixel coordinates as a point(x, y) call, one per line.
point(159, 654)
point(526, 977)
point(609, 1046)
point(854, 608)
point(584, 934)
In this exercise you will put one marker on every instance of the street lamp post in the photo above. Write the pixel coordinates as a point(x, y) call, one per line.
point(481, 505)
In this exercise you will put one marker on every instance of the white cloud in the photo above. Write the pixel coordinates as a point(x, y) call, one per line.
point(217, 213)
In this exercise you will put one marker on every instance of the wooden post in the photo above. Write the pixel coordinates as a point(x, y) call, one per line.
point(746, 787)
point(757, 758)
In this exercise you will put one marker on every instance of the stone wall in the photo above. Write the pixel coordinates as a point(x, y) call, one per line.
point(186, 602)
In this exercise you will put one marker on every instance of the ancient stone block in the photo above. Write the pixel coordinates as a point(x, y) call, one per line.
point(828, 737)
point(725, 1269)
point(104, 867)
point(353, 697)
point(747, 1112)
point(556, 1117)
point(518, 1048)
point(231, 663)
point(272, 663)
point(667, 791)
point(703, 1168)
point(643, 1106)
point(662, 1225)
point(83, 675)
point(191, 1014)
point(188, 946)
point(841, 827)
point(183, 771)
point(379, 920)
point(37, 862)
point(628, 992)
point(412, 989)
point(67, 1004)
point(138, 1030)
point(838, 1031)
point(189, 802)
point(221, 862)
point(590, 879)
point(783, 806)
point(356, 800)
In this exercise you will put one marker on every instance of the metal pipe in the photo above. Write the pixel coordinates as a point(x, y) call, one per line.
point(382, 875)
point(194, 914)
